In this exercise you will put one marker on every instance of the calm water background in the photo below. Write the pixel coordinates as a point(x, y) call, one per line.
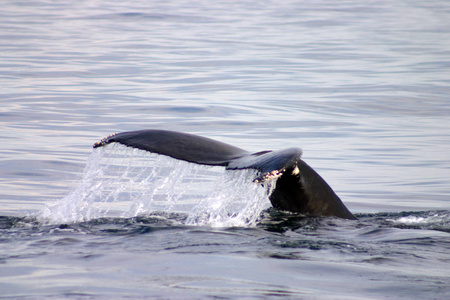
point(361, 86)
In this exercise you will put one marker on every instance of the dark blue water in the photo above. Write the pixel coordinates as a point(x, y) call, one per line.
point(154, 255)
point(362, 87)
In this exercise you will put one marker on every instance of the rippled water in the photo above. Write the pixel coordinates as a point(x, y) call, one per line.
point(362, 87)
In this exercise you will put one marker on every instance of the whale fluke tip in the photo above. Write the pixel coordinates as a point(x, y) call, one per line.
point(104, 141)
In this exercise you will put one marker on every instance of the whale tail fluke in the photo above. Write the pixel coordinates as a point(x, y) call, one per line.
point(184, 146)
point(299, 188)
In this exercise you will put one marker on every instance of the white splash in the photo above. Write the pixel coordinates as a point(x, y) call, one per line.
point(235, 201)
point(435, 218)
point(125, 182)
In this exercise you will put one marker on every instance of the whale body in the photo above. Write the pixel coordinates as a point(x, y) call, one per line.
point(299, 189)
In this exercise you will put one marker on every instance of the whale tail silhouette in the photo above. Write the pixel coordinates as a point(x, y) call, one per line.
point(299, 188)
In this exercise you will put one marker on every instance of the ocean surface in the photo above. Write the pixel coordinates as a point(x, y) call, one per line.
point(363, 87)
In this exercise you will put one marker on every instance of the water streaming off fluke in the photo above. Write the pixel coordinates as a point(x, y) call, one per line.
point(124, 182)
